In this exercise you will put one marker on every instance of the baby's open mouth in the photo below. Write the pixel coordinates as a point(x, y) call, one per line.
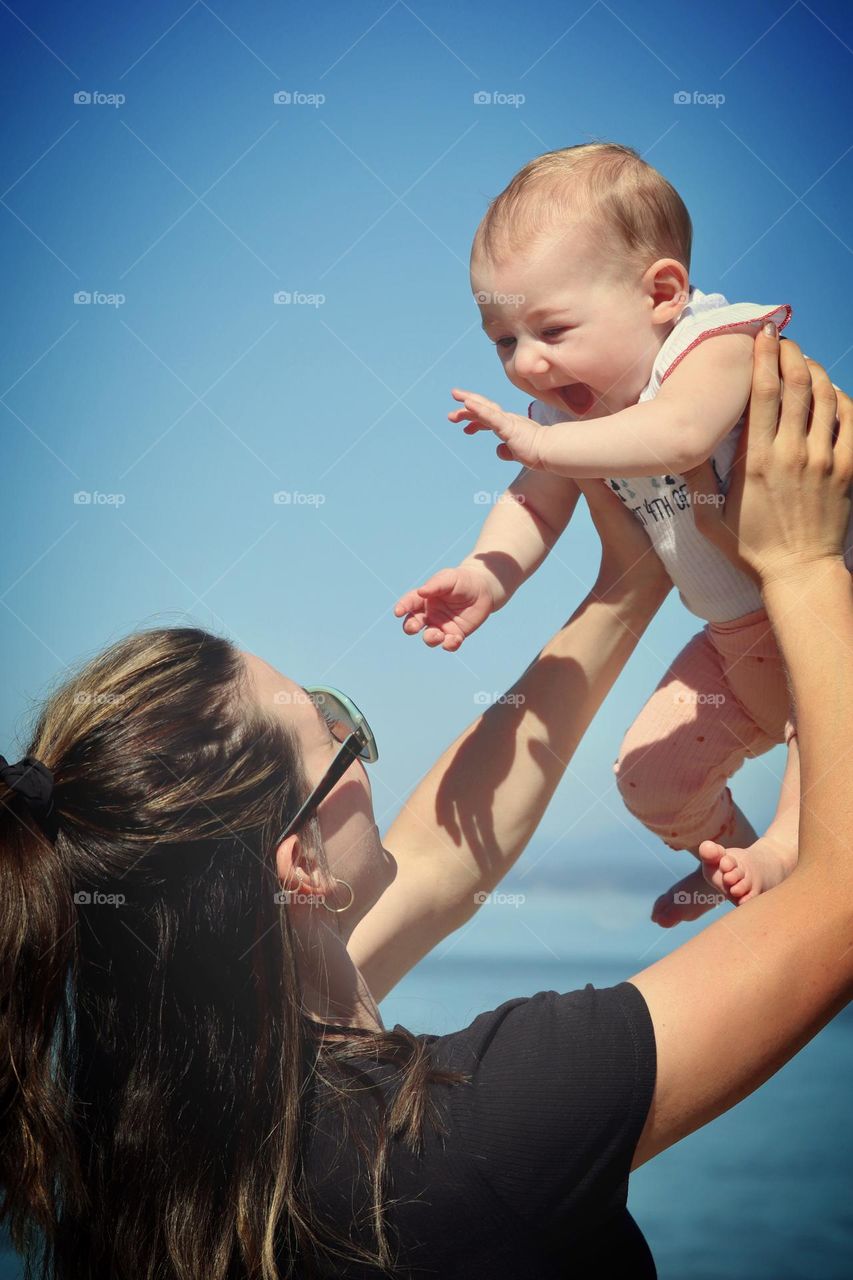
point(577, 396)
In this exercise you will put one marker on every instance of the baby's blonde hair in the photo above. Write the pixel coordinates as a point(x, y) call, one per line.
point(633, 213)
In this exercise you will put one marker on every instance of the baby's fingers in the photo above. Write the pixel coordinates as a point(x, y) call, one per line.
point(433, 636)
point(411, 602)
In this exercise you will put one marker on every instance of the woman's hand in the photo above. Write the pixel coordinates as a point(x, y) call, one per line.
point(788, 503)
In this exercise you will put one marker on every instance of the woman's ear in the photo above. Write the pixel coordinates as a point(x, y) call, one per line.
point(288, 859)
point(296, 870)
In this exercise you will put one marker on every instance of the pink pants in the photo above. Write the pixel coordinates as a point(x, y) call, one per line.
point(724, 700)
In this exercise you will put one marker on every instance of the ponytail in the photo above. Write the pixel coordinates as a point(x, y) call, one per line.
point(37, 948)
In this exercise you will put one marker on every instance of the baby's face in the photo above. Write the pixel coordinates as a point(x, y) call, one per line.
point(571, 329)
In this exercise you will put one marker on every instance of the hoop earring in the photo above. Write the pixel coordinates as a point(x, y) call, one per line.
point(337, 910)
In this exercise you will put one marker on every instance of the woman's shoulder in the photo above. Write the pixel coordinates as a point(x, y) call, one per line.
point(560, 1088)
point(533, 1026)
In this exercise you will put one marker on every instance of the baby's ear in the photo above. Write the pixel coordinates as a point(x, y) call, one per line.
point(667, 282)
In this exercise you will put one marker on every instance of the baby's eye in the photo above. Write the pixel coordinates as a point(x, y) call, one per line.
point(552, 333)
point(502, 341)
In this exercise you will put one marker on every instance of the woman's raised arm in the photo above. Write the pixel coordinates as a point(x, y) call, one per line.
point(736, 1002)
point(473, 813)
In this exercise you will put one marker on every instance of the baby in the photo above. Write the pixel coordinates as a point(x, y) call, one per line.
point(580, 268)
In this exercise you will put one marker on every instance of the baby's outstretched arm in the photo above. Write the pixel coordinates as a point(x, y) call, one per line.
point(698, 404)
point(516, 536)
point(521, 529)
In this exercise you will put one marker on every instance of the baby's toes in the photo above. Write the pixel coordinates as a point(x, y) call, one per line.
point(742, 887)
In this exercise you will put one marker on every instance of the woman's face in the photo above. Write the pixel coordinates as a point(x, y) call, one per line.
point(350, 836)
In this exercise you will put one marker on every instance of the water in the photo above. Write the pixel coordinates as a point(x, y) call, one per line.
point(762, 1193)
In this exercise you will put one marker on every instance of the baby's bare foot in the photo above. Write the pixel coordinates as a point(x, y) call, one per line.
point(686, 900)
point(742, 874)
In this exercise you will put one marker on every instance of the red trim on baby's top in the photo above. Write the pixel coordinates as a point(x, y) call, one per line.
point(722, 329)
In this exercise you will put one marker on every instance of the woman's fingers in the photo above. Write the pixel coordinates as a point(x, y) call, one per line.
point(796, 396)
point(843, 450)
point(764, 399)
point(824, 411)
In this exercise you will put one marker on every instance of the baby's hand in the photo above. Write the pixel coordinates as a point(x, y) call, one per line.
point(448, 607)
point(521, 438)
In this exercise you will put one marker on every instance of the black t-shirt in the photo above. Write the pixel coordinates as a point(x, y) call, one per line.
point(531, 1181)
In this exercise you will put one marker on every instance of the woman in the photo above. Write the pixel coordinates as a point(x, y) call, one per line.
point(195, 1077)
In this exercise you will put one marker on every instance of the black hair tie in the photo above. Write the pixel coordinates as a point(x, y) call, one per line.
point(33, 781)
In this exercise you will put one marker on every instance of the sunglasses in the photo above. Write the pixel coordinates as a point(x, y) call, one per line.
point(350, 728)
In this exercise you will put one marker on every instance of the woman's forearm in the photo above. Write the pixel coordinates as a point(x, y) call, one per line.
point(474, 812)
point(812, 614)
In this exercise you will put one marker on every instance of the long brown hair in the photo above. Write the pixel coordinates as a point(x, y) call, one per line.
point(155, 1058)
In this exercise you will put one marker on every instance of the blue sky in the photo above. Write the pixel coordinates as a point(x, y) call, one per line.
point(184, 198)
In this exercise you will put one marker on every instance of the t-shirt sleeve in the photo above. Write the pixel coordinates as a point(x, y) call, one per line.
point(561, 1088)
point(734, 317)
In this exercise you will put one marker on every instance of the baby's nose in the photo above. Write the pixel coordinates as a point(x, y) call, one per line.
point(529, 359)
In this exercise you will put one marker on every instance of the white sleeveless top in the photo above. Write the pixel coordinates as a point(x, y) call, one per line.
point(708, 583)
